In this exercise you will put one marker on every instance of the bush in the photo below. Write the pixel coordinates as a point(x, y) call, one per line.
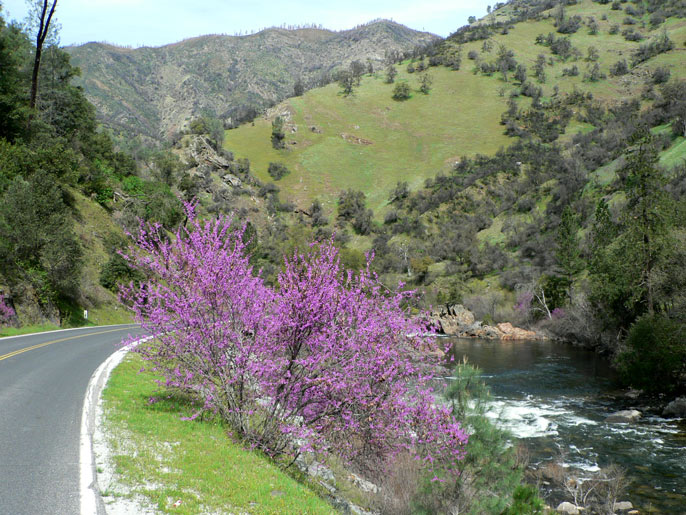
point(661, 75)
point(277, 171)
point(619, 68)
point(401, 91)
point(654, 358)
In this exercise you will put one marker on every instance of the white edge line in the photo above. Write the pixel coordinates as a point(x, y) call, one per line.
point(91, 501)
point(3, 338)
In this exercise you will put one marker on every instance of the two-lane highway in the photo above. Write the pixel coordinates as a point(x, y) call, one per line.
point(43, 379)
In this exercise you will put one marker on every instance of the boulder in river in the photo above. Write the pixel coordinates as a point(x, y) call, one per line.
point(676, 408)
point(623, 506)
point(624, 417)
point(568, 508)
point(515, 333)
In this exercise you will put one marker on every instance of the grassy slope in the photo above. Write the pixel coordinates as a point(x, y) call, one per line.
point(165, 459)
point(411, 140)
point(415, 139)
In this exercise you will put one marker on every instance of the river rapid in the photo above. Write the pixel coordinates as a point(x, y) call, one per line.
point(554, 398)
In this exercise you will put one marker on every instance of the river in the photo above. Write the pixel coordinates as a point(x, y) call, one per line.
point(554, 397)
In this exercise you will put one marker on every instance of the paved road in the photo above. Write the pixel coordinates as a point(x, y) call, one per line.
point(43, 380)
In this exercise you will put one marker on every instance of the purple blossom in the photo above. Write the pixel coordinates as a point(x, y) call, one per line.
point(6, 312)
point(323, 362)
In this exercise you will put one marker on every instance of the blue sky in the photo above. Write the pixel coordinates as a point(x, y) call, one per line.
point(158, 22)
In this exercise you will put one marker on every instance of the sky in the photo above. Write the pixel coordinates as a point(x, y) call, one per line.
point(158, 22)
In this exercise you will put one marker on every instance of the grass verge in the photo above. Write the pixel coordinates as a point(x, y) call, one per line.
point(188, 466)
point(29, 329)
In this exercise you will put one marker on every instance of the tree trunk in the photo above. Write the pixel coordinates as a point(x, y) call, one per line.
point(43, 27)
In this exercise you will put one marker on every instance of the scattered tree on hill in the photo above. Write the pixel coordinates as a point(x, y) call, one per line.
point(425, 83)
point(520, 74)
point(277, 171)
point(346, 81)
point(592, 54)
point(391, 73)
point(539, 68)
point(594, 73)
point(350, 203)
point(298, 88)
point(317, 214)
point(401, 91)
point(278, 135)
point(357, 70)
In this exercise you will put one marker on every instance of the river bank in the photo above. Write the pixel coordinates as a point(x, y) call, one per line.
point(555, 399)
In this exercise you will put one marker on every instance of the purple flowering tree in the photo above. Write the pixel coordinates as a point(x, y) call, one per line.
point(6, 312)
point(328, 361)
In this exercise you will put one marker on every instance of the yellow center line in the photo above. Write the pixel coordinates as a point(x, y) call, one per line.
point(26, 349)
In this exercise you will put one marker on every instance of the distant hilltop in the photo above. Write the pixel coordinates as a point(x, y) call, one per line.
point(156, 91)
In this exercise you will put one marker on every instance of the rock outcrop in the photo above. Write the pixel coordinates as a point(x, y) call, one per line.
point(568, 508)
point(624, 417)
point(458, 321)
point(676, 408)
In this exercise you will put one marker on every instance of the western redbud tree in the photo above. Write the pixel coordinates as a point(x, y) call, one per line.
point(6, 311)
point(327, 361)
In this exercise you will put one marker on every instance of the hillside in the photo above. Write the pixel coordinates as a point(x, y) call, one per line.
point(415, 139)
point(156, 91)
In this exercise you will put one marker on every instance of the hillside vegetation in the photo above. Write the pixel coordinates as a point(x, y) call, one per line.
point(367, 141)
point(155, 92)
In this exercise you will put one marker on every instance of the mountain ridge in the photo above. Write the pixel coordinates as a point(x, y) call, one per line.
point(156, 91)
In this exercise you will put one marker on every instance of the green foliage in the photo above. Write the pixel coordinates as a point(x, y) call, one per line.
point(525, 501)
point(425, 83)
point(622, 268)
point(490, 477)
point(14, 50)
point(278, 136)
point(568, 252)
point(38, 246)
point(346, 81)
point(654, 358)
point(167, 167)
point(277, 171)
point(211, 126)
point(117, 271)
point(401, 91)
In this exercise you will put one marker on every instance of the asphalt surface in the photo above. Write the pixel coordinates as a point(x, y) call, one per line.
point(43, 380)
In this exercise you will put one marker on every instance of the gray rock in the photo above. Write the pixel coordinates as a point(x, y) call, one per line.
point(462, 315)
point(232, 180)
point(567, 507)
point(624, 417)
point(363, 484)
point(676, 408)
point(320, 471)
point(623, 506)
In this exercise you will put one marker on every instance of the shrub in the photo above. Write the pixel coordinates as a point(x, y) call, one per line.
point(277, 171)
point(321, 362)
point(654, 358)
point(661, 75)
point(619, 68)
point(401, 91)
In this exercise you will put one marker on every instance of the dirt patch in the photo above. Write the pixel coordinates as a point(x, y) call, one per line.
point(351, 138)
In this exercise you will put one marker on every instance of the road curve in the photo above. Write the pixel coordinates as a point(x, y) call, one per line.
point(43, 379)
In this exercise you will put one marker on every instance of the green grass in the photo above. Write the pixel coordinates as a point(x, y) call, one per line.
point(166, 459)
point(410, 140)
point(28, 329)
point(674, 155)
